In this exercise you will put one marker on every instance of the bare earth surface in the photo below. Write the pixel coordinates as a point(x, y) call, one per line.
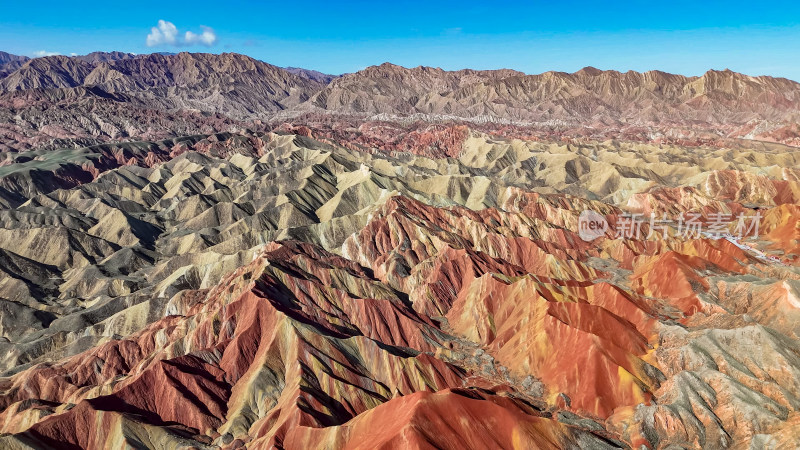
point(206, 251)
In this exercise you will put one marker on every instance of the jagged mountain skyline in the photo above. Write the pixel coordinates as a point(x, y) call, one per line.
point(107, 97)
point(687, 38)
point(98, 56)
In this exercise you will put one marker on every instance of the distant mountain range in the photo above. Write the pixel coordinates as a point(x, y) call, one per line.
point(212, 252)
point(106, 97)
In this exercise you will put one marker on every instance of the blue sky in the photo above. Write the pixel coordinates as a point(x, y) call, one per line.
point(687, 37)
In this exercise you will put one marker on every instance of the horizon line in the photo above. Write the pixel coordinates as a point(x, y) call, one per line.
point(588, 67)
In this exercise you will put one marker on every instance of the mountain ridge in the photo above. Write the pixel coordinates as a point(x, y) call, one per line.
point(277, 291)
point(208, 251)
point(100, 56)
point(648, 105)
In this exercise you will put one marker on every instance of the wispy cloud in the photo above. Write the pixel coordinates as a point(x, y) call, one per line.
point(41, 53)
point(207, 37)
point(166, 33)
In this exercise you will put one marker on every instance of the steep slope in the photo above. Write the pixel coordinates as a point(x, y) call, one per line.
point(588, 94)
point(272, 290)
point(311, 74)
point(85, 92)
point(6, 58)
point(57, 102)
point(9, 63)
point(50, 72)
point(725, 102)
point(228, 83)
point(206, 251)
point(395, 89)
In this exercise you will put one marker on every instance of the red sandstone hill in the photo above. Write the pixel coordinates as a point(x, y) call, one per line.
point(270, 290)
point(207, 251)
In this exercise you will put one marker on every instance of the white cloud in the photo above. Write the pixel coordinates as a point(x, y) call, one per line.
point(73, 54)
point(166, 33)
point(40, 53)
point(207, 37)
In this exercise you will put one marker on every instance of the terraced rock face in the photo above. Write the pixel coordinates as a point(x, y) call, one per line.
point(272, 290)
